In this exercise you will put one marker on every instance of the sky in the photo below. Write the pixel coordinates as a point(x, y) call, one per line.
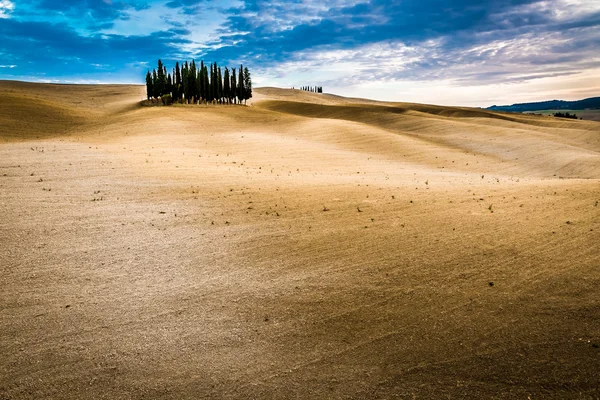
point(452, 52)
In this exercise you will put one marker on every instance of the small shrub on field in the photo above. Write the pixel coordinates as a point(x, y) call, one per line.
point(167, 99)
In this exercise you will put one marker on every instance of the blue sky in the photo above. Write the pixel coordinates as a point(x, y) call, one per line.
point(470, 52)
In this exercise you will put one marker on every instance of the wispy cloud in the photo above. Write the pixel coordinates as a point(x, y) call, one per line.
point(6, 7)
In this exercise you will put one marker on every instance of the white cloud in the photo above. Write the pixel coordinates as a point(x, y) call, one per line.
point(6, 7)
point(143, 22)
point(282, 15)
point(8, 66)
point(447, 92)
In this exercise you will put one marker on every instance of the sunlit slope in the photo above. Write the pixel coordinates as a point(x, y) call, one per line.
point(511, 144)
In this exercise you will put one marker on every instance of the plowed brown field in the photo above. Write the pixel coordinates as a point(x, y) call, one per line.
point(306, 246)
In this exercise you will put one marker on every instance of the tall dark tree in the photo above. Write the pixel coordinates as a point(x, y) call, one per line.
point(177, 94)
point(184, 80)
point(227, 86)
point(192, 80)
point(206, 84)
point(220, 85)
point(240, 93)
point(149, 86)
point(169, 89)
point(201, 81)
point(247, 85)
point(154, 84)
point(211, 88)
point(173, 85)
point(165, 80)
point(215, 83)
point(234, 88)
point(199, 84)
point(160, 79)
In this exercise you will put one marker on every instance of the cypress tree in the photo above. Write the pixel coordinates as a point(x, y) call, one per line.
point(149, 86)
point(209, 75)
point(177, 74)
point(173, 86)
point(220, 84)
point(211, 91)
point(199, 84)
point(160, 79)
point(154, 84)
point(213, 82)
point(227, 86)
point(206, 84)
point(233, 86)
point(192, 76)
point(178, 80)
point(201, 81)
point(184, 80)
point(165, 81)
point(247, 84)
point(240, 93)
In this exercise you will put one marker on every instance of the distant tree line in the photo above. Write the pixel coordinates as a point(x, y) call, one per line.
point(313, 89)
point(191, 83)
point(565, 115)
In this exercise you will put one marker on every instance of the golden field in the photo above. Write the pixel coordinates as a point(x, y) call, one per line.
point(306, 246)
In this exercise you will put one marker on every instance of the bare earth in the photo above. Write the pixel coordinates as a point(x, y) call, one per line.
point(306, 246)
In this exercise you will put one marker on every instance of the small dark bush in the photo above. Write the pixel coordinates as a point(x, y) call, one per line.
point(565, 115)
point(167, 100)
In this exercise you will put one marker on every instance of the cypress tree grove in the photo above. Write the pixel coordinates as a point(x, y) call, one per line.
point(192, 83)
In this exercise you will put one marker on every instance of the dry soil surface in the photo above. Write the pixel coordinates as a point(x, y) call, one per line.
point(305, 246)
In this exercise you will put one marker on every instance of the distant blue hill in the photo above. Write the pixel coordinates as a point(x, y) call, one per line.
point(591, 103)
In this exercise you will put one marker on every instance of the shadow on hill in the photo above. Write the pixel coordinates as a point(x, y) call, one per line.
point(386, 115)
point(39, 110)
point(522, 145)
point(25, 118)
point(367, 113)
